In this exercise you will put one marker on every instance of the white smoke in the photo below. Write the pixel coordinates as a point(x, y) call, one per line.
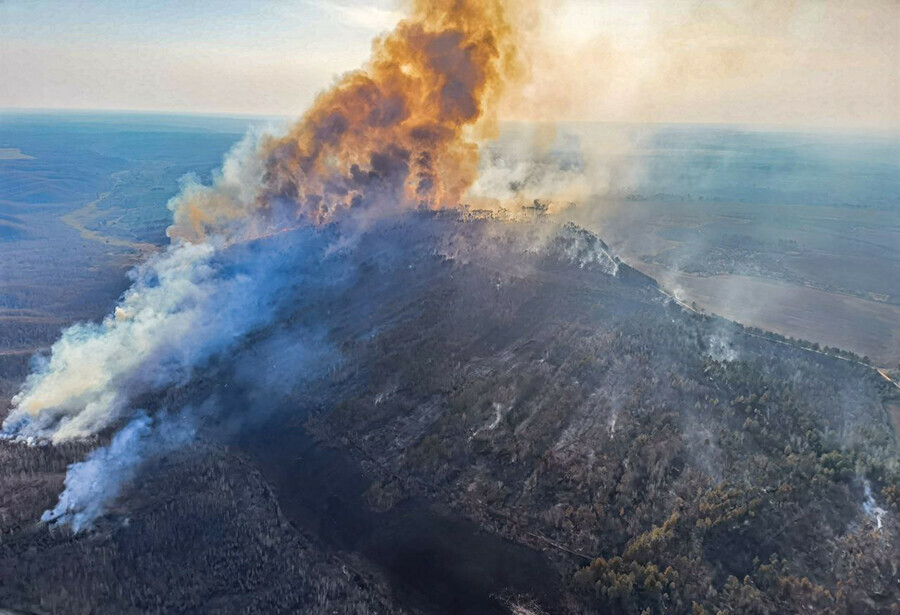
point(201, 296)
point(721, 347)
point(93, 484)
point(230, 270)
point(233, 265)
point(871, 508)
point(226, 274)
point(227, 207)
point(558, 165)
point(521, 182)
point(187, 304)
point(184, 306)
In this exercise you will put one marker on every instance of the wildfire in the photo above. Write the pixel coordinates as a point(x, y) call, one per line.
point(396, 134)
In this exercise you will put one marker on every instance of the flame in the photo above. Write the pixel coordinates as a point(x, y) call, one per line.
point(397, 134)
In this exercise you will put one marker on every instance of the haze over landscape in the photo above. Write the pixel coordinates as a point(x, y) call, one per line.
point(831, 64)
point(578, 308)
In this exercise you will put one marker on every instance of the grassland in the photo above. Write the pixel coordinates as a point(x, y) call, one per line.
point(830, 275)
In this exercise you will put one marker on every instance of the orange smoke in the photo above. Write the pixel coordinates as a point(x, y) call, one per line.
point(396, 134)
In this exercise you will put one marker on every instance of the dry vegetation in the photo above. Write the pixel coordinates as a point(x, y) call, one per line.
point(665, 462)
point(200, 532)
point(573, 411)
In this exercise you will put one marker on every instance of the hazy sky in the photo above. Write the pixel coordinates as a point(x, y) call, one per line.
point(822, 62)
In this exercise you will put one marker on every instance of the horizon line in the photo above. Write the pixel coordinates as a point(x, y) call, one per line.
point(864, 128)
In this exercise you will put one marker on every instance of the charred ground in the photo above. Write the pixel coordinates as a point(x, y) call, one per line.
point(511, 386)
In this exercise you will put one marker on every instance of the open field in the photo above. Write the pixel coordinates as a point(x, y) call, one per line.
point(867, 328)
point(831, 278)
point(795, 233)
point(13, 153)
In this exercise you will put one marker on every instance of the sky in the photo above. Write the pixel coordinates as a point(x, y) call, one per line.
point(796, 62)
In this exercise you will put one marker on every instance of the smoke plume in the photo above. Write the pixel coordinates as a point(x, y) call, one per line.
point(91, 485)
point(396, 135)
point(273, 225)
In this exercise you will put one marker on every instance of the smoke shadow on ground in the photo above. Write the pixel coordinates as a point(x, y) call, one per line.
point(437, 563)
